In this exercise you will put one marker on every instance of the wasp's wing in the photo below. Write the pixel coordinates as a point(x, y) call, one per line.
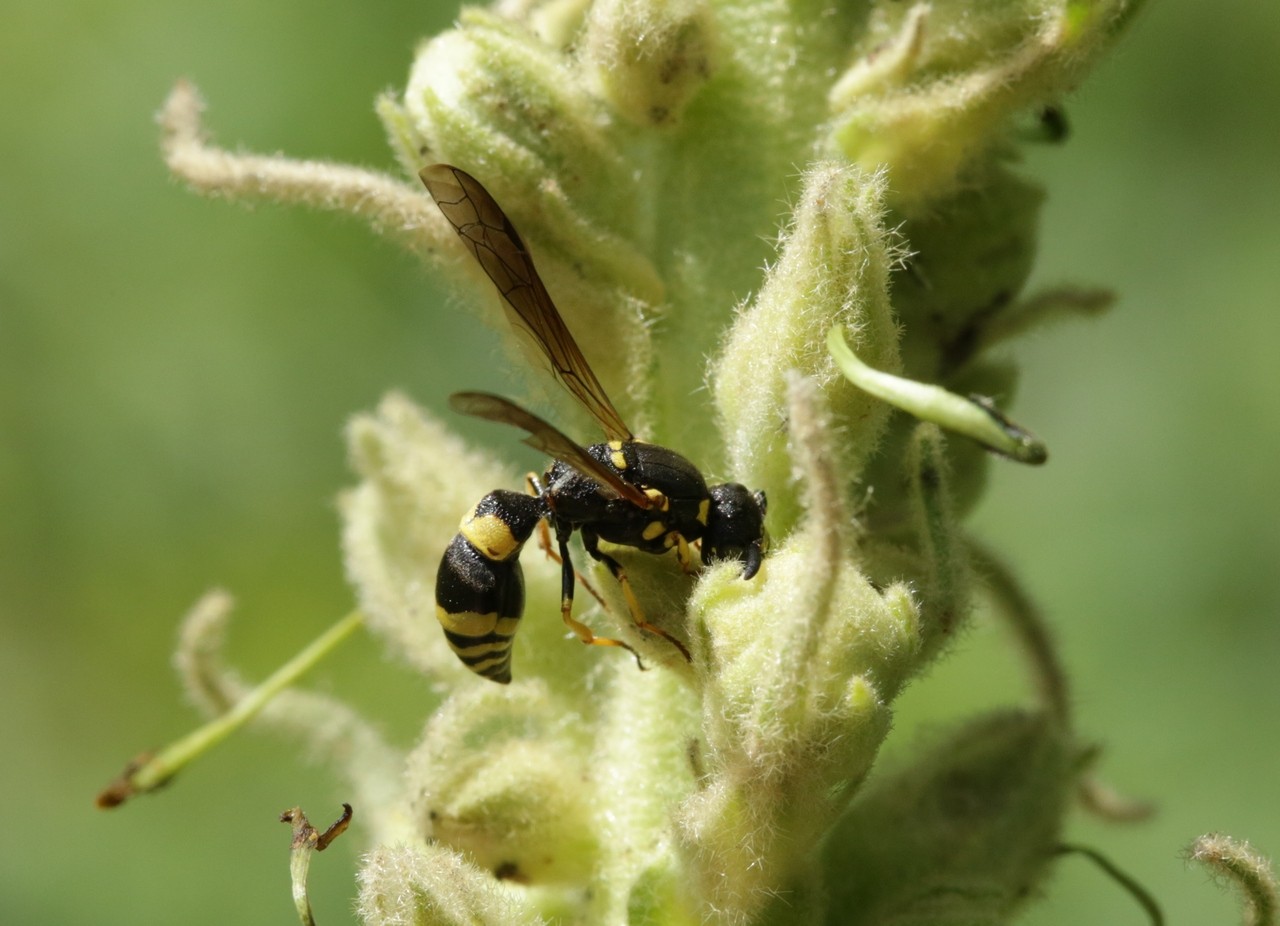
point(546, 438)
point(496, 245)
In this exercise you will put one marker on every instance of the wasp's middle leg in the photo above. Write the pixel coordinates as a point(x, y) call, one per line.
point(567, 573)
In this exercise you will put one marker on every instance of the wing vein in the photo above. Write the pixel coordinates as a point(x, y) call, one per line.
point(502, 254)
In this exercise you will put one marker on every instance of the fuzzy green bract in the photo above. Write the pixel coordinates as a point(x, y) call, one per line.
point(708, 188)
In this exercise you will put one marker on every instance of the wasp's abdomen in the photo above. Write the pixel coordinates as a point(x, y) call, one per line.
point(480, 587)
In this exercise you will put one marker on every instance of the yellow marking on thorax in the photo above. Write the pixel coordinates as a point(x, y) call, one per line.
point(660, 501)
point(490, 535)
point(704, 509)
point(653, 530)
point(616, 456)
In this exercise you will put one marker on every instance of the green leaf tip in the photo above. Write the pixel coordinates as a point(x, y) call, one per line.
point(974, 417)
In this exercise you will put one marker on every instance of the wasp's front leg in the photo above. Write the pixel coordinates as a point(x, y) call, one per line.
point(591, 542)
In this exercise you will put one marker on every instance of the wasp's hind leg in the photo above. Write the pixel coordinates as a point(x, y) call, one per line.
point(581, 630)
point(534, 488)
point(592, 545)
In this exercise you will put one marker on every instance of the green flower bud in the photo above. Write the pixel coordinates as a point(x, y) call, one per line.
point(934, 85)
point(797, 671)
point(834, 266)
point(971, 255)
point(430, 885)
point(499, 777)
point(649, 59)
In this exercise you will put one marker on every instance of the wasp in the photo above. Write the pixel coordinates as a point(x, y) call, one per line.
point(623, 491)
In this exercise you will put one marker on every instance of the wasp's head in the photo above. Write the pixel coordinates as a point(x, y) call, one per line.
point(735, 527)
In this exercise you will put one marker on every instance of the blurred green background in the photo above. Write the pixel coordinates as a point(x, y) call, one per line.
point(175, 374)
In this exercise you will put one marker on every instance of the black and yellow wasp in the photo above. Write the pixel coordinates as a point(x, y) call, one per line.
point(624, 491)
